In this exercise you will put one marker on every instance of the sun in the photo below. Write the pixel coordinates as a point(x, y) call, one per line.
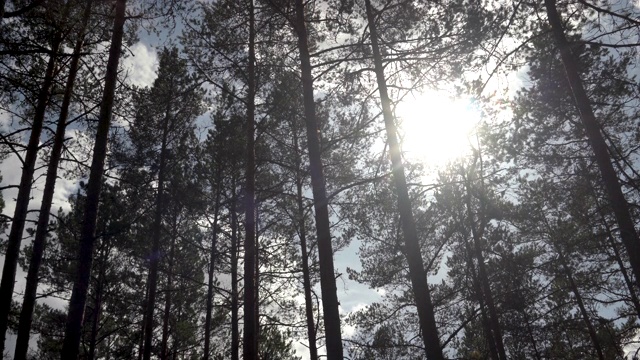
point(436, 128)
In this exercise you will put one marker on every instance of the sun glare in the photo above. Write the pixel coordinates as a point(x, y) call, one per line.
point(436, 128)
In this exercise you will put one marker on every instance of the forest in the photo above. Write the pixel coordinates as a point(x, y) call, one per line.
point(320, 179)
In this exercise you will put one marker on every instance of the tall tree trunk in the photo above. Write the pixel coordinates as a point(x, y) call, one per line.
point(235, 334)
point(477, 288)
point(412, 246)
point(256, 314)
point(154, 258)
point(530, 332)
point(616, 254)
point(22, 201)
point(174, 351)
point(477, 235)
point(107, 355)
point(623, 270)
point(212, 259)
point(328, 288)
point(488, 294)
point(592, 128)
point(97, 307)
point(583, 310)
point(143, 323)
point(250, 343)
point(306, 278)
point(164, 354)
point(87, 236)
point(28, 304)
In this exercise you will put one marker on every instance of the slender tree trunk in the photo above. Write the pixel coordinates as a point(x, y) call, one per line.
point(493, 314)
point(412, 246)
point(306, 278)
point(28, 304)
point(97, 307)
point(94, 328)
point(477, 238)
point(616, 253)
point(530, 331)
point(320, 203)
point(212, 259)
point(87, 235)
point(308, 302)
point(250, 336)
point(22, 201)
point(583, 310)
point(483, 277)
point(592, 128)
point(154, 258)
point(143, 323)
point(477, 288)
point(257, 282)
point(164, 354)
point(235, 334)
point(107, 354)
point(623, 270)
point(174, 351)
point(491, 342)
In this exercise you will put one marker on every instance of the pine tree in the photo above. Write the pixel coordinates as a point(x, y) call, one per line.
point(111, 307)
point(325, 249)
point(24, 189)
point(599, 147)
point(81, 283)
point(161, 134)
point(412, 247)
point(28, 304)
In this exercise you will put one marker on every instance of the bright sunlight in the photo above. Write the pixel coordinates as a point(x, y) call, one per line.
point(436, 127)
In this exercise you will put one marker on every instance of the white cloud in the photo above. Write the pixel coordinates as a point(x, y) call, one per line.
point(348, 331)
point(141, 64)
point(301, 349)
point(360, 306)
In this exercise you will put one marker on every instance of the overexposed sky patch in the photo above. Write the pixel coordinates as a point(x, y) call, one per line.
point(436, 127)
